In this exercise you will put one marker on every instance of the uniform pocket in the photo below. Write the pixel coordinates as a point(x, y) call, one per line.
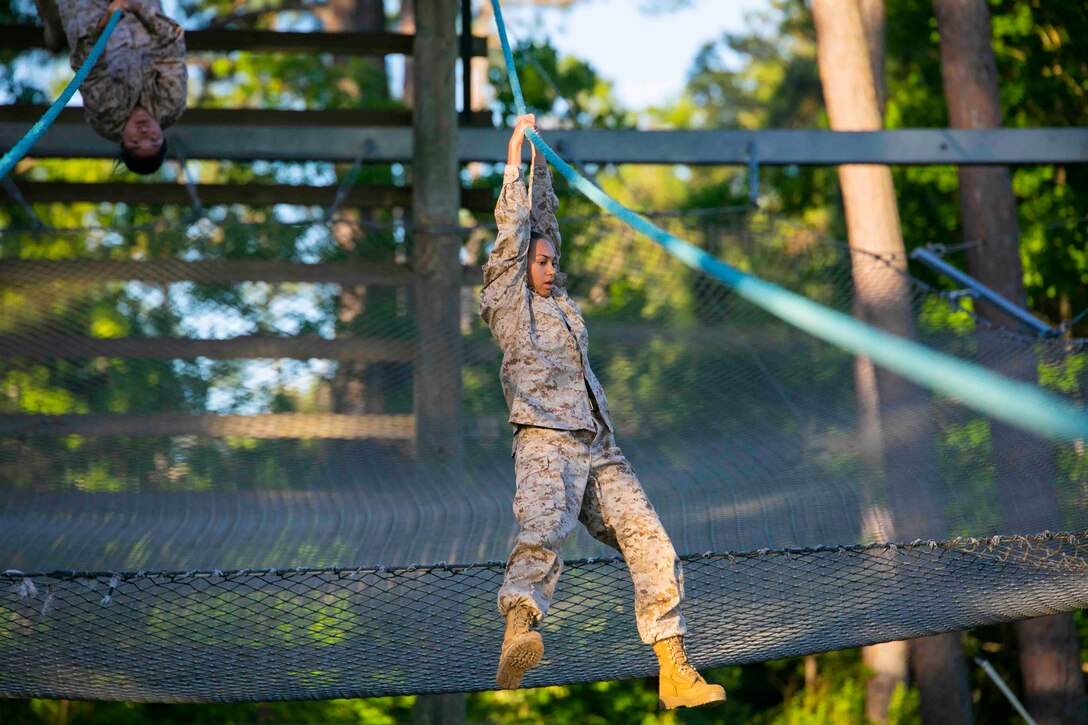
point(551, 335)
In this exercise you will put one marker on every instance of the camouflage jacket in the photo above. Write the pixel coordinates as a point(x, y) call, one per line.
point(545, 372)
point(143, 65)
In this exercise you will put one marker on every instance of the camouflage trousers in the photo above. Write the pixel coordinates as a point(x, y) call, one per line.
point(80, 17)
point(569, 476)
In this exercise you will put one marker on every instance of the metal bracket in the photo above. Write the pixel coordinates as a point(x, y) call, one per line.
point(978, 290)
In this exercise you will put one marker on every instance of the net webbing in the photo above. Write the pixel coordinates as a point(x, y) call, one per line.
point(350, 632)
point(187, 408)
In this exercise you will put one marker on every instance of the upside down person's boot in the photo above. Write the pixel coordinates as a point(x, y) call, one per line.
point(54, 28)
point(522, 648)
point(680, 684)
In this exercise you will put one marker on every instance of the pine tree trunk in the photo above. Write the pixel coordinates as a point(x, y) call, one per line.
point(887, 663)
point(873, 20)
point(941, 673)
point(1049, 652)
point(882, 298)
point(446, 709)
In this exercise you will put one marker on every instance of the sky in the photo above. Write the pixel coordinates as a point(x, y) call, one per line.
point(647, 56)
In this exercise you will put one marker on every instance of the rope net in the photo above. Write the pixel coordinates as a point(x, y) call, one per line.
point(209, 487)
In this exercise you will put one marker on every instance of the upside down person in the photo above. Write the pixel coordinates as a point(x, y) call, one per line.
point(568, 466)
point(138, 86)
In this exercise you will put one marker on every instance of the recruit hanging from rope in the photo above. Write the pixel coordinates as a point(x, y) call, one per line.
point(568, 465)
point(138, 88)
point(130, 69)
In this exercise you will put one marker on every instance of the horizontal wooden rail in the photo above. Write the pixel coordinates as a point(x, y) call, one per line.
point(14, 272)
point(303, 141)
point(259, 117)
point(235, 348)
point(27, 37)
point(278, 425)
point(380, 197)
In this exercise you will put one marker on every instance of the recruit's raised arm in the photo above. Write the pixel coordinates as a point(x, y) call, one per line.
point(506, 268)
point(544, 205)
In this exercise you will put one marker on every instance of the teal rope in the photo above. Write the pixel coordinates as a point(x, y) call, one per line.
point(19, 150)
point(1015, 402)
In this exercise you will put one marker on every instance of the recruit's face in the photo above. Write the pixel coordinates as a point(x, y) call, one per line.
point(142, 135)
point(542, 266)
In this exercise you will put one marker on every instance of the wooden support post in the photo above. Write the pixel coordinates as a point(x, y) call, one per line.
point(437, 374)
point(466, 62)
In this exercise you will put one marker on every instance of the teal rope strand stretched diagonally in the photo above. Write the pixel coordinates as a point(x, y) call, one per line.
point(1017, 403)
point(19, 150)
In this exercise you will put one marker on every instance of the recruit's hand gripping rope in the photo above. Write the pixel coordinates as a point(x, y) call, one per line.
point(1017, 403)
point(19, 150)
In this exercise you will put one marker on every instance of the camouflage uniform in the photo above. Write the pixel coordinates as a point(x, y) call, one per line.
point(567, 463)
point(143, 64)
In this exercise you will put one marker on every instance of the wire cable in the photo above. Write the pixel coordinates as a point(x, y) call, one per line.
point(14, 193)
point(190, 182)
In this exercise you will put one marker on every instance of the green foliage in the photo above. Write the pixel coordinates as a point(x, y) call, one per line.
point(554, 84)
point(1043, 79)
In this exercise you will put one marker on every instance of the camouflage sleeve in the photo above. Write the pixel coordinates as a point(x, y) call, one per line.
point(506, 268)
point(545, 205)
point(168, 56)
point(165, 33)
point(81, 48)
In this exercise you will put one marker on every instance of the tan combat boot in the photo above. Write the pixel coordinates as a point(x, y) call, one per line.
point(680, 684)
point(522, 648)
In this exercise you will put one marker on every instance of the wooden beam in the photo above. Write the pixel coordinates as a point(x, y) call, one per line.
point(278, 425)
point(22, 113)
point(44, 192)
point(303, 142)
point(218, 271)
point(250, 347)
point(28, 37)
point(799, 147)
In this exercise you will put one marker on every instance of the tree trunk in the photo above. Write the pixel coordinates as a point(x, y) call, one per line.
point(1053, 683)
point(941, 673)
point(1049, 652)
point(887, 664)
point(446, 709)
point(883, 299)
point(872, 19)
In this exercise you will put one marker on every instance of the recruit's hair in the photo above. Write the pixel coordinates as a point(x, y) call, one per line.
point(143, 165)
point(535, 234)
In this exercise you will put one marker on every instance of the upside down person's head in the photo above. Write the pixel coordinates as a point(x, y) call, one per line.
point(143, 145)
